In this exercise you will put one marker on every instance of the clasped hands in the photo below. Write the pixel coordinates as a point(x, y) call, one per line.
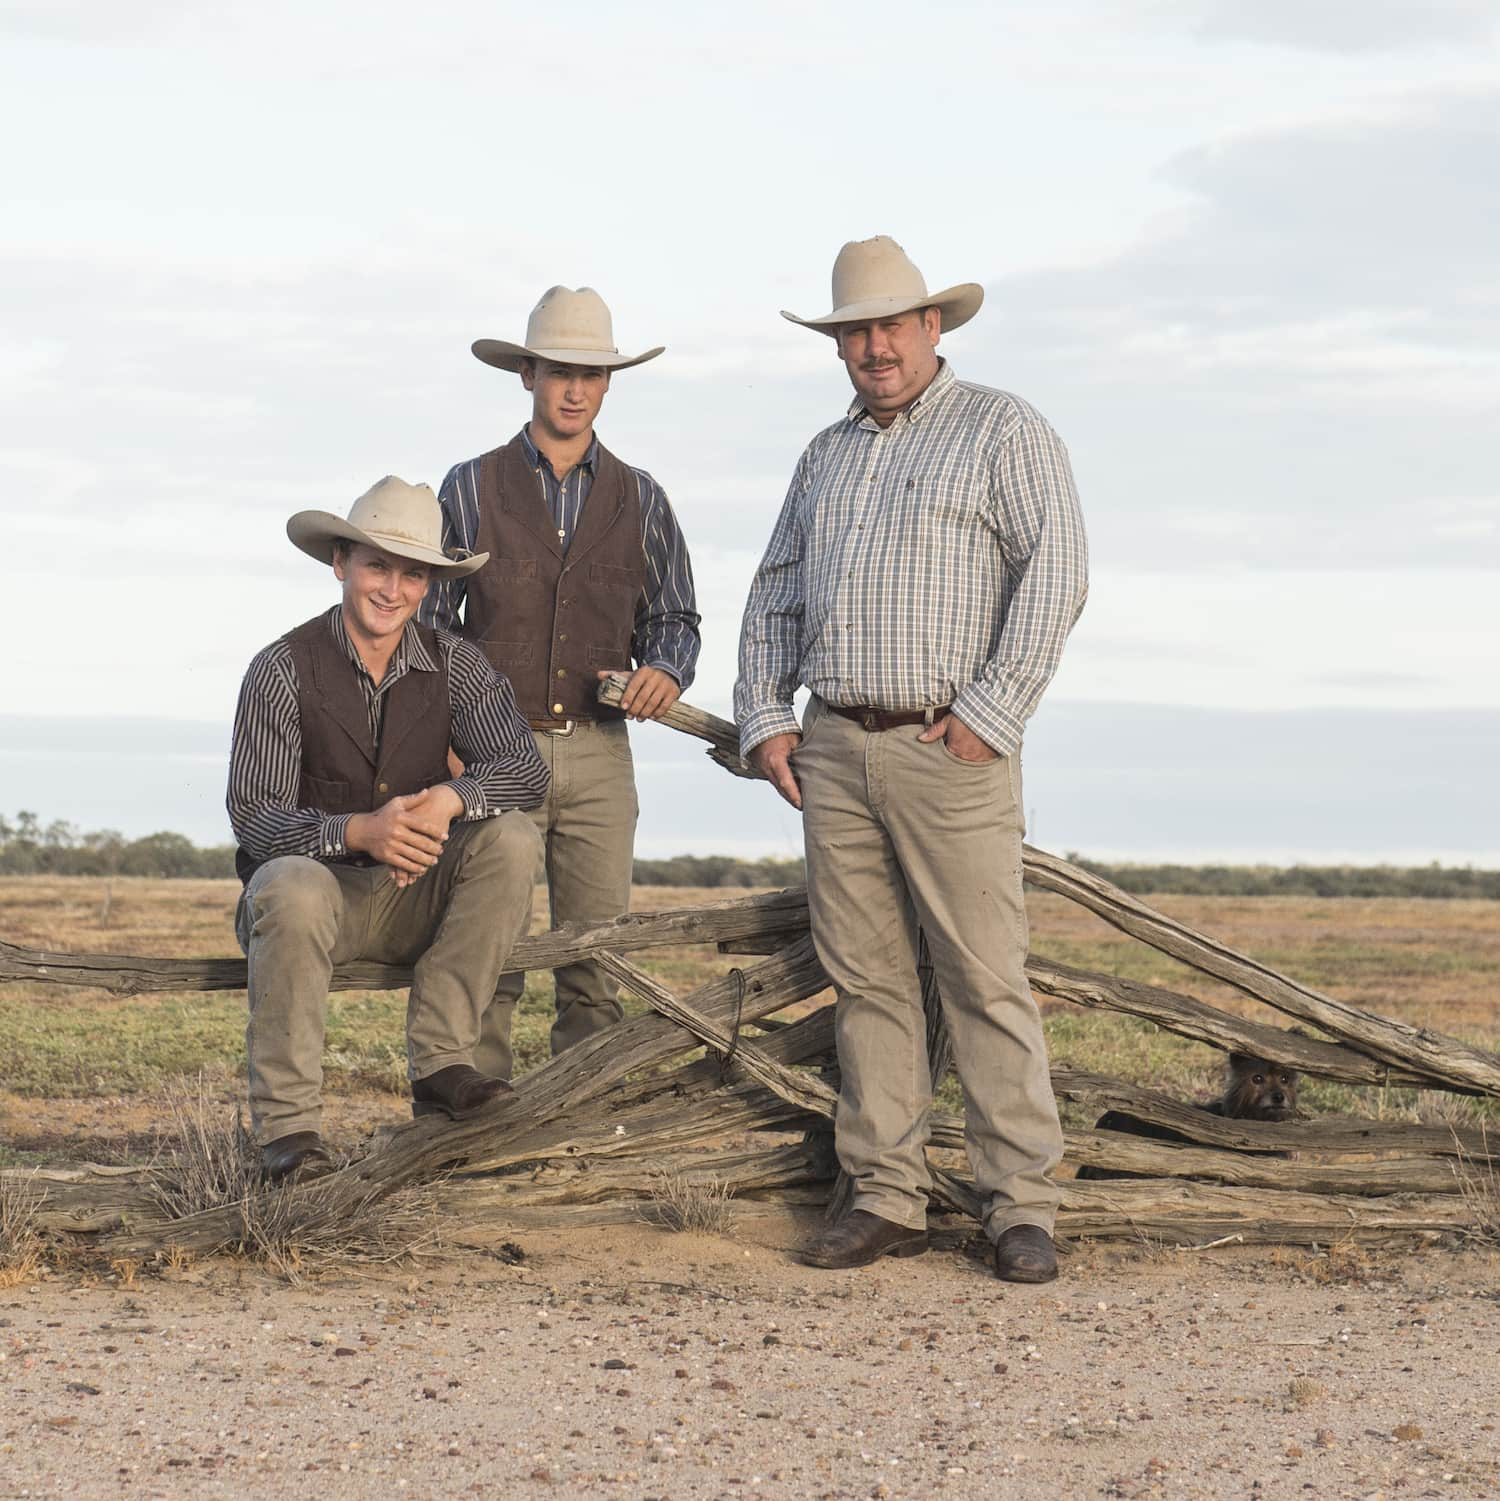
point(406, 834)
point(773, 756)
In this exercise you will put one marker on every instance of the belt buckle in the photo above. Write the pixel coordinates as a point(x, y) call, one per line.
point(870, 719)
point(568, 726)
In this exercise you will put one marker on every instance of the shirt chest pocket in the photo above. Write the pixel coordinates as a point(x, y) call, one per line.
point(943, 506)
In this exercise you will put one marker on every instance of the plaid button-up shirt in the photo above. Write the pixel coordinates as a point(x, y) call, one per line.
point(940, 560)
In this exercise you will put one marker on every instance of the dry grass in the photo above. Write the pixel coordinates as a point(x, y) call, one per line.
point(1479, 1186)
point(20, 1236)
point(208, 1160)
point(682, 1202)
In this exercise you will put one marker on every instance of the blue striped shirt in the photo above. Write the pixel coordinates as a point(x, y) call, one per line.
point(502, 769)
point(940, 560)
point(665, 632)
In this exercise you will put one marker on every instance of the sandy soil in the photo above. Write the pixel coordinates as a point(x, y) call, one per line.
point(633, 1363)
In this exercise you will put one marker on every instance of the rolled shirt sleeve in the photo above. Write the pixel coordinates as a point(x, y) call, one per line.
point(770, 663)
point(1041, 528)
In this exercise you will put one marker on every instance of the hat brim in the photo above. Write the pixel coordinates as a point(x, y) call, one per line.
point(315, 532)
point(956, 304)
point(506, 356)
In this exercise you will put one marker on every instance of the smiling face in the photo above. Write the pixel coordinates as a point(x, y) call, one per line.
point(565, 399)
point(893, 360)
point(381, 593)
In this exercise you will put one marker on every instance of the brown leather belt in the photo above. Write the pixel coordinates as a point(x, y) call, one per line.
point(557, 726)
point(886, 719)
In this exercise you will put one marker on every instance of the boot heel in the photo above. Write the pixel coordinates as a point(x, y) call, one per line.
point(909, 1248)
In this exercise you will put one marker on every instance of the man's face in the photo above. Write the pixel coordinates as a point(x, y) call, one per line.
point(381, 593)
point(565, 399)
point(892, 361)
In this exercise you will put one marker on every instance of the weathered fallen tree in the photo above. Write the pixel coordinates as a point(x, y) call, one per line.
point(680, 1091)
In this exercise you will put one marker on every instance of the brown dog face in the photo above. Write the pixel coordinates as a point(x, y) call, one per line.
point(1259, 1090)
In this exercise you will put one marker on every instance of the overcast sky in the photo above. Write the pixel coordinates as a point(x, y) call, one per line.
point(1242, 253)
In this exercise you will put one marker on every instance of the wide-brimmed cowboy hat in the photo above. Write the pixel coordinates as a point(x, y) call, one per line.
point(566, 327)
point(395, 517)
point(876, 279)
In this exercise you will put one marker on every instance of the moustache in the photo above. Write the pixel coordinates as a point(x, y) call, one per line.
point(880, 365)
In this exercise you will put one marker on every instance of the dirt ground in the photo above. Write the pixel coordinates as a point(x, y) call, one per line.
point(633, 1363)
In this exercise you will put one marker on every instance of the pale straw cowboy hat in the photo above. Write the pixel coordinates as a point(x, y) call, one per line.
point(394, 517)
point(876, 279)
point(566, 327)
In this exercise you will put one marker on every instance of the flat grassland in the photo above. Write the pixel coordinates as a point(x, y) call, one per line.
point(83, 1071)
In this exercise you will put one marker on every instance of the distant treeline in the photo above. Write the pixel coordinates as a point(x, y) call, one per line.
point(29, 847)
point(1433, 881)
point(718, 870)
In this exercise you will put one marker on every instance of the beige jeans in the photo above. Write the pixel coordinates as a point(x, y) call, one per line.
point(298, 917)
point(901, 836)
point(587, 826)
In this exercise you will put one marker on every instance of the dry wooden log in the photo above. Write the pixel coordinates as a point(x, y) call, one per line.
point(734, 1170)
point(1305, 1172)
point(1196, 1019)
point(1323, 1134)
point(1176, 1211)
point(89, 1197)
point(797, 1088)
point(1455, 1064)
point(722, 736)
point(779, 912)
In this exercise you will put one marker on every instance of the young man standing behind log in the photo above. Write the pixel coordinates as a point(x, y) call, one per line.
point(588, 573)
point(926, 568)
point(354, 842)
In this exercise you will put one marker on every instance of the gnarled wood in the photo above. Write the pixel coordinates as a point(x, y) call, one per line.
point(778, 912)
point(1455, 1064)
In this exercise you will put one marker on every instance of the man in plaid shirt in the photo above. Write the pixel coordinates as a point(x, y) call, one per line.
point(927, 566)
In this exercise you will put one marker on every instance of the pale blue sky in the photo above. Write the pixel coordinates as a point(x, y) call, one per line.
point(1241, 252)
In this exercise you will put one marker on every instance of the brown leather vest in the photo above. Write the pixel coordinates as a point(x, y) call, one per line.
point(342, 771)
point(549, 619)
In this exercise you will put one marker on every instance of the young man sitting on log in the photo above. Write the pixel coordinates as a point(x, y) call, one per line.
point(354, 842)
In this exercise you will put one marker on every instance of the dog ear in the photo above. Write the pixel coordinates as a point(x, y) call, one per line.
point(1242, 1063)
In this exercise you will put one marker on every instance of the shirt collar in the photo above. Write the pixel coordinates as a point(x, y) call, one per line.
point(536, 458)
point(938, 388)
point(410, 654)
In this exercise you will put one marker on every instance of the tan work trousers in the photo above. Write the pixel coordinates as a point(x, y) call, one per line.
point(587, 826)
point(902, 835)
point(298, 917)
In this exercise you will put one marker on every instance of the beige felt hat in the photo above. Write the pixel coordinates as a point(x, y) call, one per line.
point(395, 517)
point(566, 327)
point(876, 279)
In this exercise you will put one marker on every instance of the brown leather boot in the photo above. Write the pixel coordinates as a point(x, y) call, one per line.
point(860, 1238)
point(298, 1156)
point(458, 1091)
point(1025, 1253)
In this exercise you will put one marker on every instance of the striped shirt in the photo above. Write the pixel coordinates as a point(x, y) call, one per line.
point(940, 560)
point(665, 633)
point(502, 769)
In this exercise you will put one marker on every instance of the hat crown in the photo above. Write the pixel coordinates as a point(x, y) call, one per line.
point(566, 318)
point(874, 268)
point(393, 510)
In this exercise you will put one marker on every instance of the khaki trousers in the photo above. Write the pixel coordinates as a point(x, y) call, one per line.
point(587, 826)
point(901, 836)
point(298, 917)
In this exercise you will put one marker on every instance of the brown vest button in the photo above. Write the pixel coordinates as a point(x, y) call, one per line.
point(562, 672)
point(385, 787)
point(557, 708)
